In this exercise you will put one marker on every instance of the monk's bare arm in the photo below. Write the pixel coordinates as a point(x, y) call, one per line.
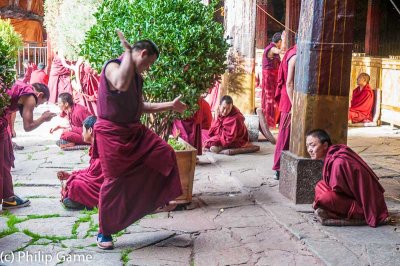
point(273, 51)
point(290, 78)
point(175, 105)
point(27, 114)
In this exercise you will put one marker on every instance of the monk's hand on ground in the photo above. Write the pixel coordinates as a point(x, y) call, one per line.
point(52, 130)
point(124, 42)
point(47, 116)
point(177, 105)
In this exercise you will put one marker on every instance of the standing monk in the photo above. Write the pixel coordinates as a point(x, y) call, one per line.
point(59, 80)
point(25, 98)
point(284, 95)
point(362, 101)
point(270, 66)
point(76, 114)
point(140, 169)
point(29, 68)
point(39, 75)
point(349, 189)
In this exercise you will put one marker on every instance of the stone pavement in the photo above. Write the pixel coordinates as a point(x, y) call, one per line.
point(237, 215)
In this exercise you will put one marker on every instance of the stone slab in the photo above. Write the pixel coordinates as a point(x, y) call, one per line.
point(140, 240)
point(13, 242)
point(45, 206)
point(298, 177)
point(59, 226)
point(154, 255)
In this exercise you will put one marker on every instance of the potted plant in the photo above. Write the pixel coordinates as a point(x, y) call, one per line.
point(10, 42)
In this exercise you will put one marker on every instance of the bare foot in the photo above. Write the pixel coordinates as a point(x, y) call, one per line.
point(167, 208)
point(62, 175)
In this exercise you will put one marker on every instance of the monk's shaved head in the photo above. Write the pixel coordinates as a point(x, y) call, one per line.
point(227, 99)
point(148, 45)
point(66, 98)
point(89, 121)
point(39, 87)
point(364, 76)
point(320, 134)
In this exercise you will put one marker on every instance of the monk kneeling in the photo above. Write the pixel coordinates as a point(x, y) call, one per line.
point(349, 189)
point(228, 130)
point(82, 187)
point(75, 113)
point(362, 101)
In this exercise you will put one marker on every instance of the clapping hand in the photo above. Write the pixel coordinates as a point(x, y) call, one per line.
point(177, 105)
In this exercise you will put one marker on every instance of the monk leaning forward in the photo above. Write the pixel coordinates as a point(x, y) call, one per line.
point(140, 169)
point(81, 188)
point(76, 114)
point(349, 189)
point(284, 95)
point(362, 101)
point(228, 129)
point(25, 98)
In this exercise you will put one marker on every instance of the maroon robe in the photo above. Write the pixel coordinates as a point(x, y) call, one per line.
point(59, 80)
point(361, 105)
point(285, 108)
point(83, 186)
point(76, 117)
point(190, 129)
point(228, 131)
point(350, 188)
point(269, 82)
point(213, 95)
point(140, 169)
point(18, 90)
point(90, 86)
point(28, 73)
point(39, 76)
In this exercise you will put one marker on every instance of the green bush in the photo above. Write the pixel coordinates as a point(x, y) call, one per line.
point(10, 42)
point(193, 49)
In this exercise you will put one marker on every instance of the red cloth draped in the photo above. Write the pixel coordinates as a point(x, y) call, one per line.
point(76, 117)
point(268, 104)
point(83, 186)
point(361, 105)
point(6, 161)
point(59, 80)
point(90, 85)
point(347, 175)
point(39, 76)
point(206, 118)
point(27, 77)
point(228, 131)
point(213, 94)
point(135, 182)
point(282, 143)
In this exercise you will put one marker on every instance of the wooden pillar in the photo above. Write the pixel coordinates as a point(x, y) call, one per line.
point(261, 24)
point(292, 18)
point(321, 97)
point(372, 28)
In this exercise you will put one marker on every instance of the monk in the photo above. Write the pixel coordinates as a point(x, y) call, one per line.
point(89, 86)
point(29, 67)
point(362, 101)
point(284, 96)
point(81, 188)
point(349, 189)
point(76, 114)
point(140, 169)
point(270, 65)
point(59, 78)
point(25, 98)
point(39, 75)
point(190, 129)
point(228, 129)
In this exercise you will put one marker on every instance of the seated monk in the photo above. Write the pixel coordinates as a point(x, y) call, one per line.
point(81, 188)
point(190, 129)
point(362, 101)
point(75, 113)
point(228, 129)
point(349, 189)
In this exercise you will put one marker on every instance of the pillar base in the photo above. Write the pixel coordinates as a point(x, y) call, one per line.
point(298, 177)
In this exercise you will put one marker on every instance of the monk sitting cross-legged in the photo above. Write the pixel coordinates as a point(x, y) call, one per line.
point(349, 190)
point(362, 101)
point(75, 113)
point(228, 129)
point(81, 188)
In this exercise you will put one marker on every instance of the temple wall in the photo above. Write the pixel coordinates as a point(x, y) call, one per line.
point(385, 74)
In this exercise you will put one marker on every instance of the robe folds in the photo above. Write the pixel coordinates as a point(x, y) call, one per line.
point(228, 131)
point(78, 114)
point(84, 185)
point(190, 130)
point(39, 76)
point(361, 105)
point(350, 188)
point(90, 85)
point(28, 73)
point(59, 80)
point(285, 107)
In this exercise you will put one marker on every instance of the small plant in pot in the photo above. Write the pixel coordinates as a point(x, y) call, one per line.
point(10, 42)
point(192, 45)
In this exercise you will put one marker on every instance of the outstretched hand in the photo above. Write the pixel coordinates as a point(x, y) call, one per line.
point(127, 46)
point(47, 116)
point(177, 105)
